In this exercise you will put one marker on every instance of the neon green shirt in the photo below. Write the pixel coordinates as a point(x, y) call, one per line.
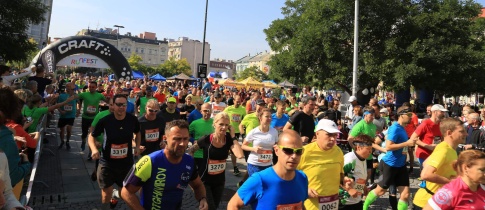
point(91, 103)
point(35, 113)
point(235, 115)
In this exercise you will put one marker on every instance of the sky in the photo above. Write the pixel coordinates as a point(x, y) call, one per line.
point(234, 27)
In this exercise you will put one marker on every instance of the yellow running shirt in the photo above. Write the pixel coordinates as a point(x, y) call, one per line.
point(442, 159)
point(323, 169)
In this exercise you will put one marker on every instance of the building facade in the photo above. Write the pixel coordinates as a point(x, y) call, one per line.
point(40, 32)
point(190, 50)
point(152, 51)
point(221, 66)
point(259, 60)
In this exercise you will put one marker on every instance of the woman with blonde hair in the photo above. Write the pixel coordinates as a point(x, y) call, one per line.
point(466, 191)
point(212, 166)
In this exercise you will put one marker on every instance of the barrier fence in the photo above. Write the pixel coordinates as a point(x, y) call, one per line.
point(41, 128)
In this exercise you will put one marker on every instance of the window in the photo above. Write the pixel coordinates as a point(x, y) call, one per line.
point(136, 50)
point(142, 50)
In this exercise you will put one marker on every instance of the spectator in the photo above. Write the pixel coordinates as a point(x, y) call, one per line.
point(8, 78)
point(19, 165)
point(41, 81)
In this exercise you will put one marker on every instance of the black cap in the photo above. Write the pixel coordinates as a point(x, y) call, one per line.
point(260, 102)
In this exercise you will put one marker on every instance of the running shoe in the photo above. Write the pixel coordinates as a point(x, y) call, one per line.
point(236, 171)
point(112, 203)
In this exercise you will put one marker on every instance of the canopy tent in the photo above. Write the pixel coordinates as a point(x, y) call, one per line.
point(286, 84)
point(270, 81)
point(268, 84)
point(251, 82)
point(136, 75)
point(181, 76)
point(158, 77)
point(229, 83)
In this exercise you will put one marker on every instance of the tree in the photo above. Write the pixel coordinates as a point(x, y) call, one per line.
point(14, 21)
point(20, 64)
point(252, 71)
point(402, 43)
point(173, 67)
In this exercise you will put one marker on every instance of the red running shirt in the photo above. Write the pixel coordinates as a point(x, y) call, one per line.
point(427, 132)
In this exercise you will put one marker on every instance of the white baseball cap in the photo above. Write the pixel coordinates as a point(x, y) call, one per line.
point(352, 98)
point(327, 125)
point(384, 110)
point(438, 107)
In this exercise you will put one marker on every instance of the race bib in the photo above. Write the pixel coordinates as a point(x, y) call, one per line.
point(437, 140)
point(360, 186)
point(91, 109)
point(216, 166)
point(67, 108)
point(151, 135)
point(293, 206)
point(236, 117)
point(328, 202)
point(217, 110)
point(405, 150)
point(266, 156)
point(119, 151)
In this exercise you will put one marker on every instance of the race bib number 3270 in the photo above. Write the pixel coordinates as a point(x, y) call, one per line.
point(216, 166)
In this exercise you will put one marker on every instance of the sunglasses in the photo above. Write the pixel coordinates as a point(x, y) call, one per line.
point(120, 104)
point(206, 110)
point(153, 110)
point(291, 151)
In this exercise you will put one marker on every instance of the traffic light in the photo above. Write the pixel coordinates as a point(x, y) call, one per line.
point(201, 70)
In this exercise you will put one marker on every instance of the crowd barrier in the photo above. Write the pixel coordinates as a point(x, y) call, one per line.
point(41, 128)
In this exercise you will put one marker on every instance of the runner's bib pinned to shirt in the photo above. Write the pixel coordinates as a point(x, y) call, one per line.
point(152, 135)
point(119, 151)
point(360, 186)
point(91, 109)
point(216, 166)
point(266, 156)
point(67, 108)
point(328, 202)
point(293, 206)
point(236, 118)
point(437, 140)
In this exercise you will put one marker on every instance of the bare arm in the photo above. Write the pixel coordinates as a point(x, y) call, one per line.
point(128, 193)
point(235, 202)
point(287, 126)
point(236, 149)
point(199, 191)
point(391, 146)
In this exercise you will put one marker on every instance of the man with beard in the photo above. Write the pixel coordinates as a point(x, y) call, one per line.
point(268, 189)
point(393, 164)
point(163, 175)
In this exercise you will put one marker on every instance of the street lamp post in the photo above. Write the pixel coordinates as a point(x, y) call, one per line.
point(205, 26)
point(356, 49)
point(117, 35)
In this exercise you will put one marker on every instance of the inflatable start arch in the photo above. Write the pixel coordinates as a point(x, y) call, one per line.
point(51, 54)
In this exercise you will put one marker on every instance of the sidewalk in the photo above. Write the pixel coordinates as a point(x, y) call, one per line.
point(63, 179)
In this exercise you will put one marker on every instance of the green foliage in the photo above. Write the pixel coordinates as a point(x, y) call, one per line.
point(24, 63)
point(253, 72)
point(427, 44)
point(173, 67)
point(15, 18)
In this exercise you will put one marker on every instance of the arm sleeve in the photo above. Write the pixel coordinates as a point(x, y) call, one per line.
point(443, 199)
point(250, 136)
point(436, 158)
point(356, 130)
point(140, 173)
point(251, 189)
point(137, 125)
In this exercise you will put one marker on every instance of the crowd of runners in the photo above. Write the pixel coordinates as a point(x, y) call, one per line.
point(150, 140)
